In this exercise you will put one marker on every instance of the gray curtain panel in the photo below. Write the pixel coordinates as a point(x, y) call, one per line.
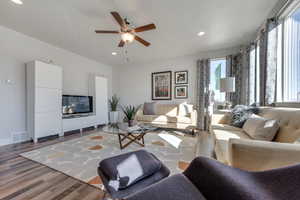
point(263, 43)
point(238, 74)
point(271, 65)
point(245, 76)
point(229, 73)
point(203, 80)
point(234, 68)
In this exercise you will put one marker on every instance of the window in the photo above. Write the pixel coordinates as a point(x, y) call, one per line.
point(257, 77)
point(254, 75)
point(217, 71)
point(288, 72)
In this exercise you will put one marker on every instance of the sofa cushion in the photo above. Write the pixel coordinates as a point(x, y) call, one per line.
point(222, 140)
point(225, 127)
point(185, 110)
point(119, 168)
point(167, 109)
point(184, 120)
point(157, 119)
point(177, 187)
point(149, 108)
point(260, 128)
point(288, 119)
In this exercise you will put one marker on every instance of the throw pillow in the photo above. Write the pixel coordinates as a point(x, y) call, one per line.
point(185, 109)
point(226, 118)
point(260, 128)
point(241, 113)
point(149, 108)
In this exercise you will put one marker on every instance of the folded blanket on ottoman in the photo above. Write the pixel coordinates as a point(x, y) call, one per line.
point(126, 169)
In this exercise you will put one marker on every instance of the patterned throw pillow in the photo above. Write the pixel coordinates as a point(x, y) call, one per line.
point(241, 113)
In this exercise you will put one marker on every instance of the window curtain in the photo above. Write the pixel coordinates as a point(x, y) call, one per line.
point(271, 65)
point(234, 68)
point(268, 62)
point(263, 50)
point(203, 94)
point(245, 76)
point(229, 73)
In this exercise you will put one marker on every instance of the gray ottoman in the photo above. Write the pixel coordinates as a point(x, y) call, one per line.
point(129, 173)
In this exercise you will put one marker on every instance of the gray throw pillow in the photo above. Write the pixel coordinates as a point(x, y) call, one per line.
point(149, 108)
point(241, 113)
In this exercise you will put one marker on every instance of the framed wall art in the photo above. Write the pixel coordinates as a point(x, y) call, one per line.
point(162, 85)
point(181, 77)
point(181, 92)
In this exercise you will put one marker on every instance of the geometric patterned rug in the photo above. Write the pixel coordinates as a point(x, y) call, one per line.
point(79, 158)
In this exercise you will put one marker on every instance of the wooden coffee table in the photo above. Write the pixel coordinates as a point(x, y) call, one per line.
point(128, 135)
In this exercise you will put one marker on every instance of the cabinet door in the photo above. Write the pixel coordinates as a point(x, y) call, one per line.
point(47, 124)
point(48, 100)
point(47, 75)
point(101, 100)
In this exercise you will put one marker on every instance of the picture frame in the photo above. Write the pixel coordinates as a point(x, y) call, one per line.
point(181, 92)
point(162, 85)
point(181, 77)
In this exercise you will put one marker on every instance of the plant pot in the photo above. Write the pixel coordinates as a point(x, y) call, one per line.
point(130, 123)
point(114, 117)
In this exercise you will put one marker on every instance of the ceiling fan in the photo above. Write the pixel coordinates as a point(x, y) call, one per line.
point(127, 33)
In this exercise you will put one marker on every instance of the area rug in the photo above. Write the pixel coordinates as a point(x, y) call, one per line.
point(79, 158)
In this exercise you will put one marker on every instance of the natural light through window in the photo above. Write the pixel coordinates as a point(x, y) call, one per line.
point(171, 139)
point(217, 71)
point(291, 67)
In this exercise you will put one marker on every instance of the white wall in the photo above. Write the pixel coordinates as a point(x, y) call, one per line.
point(133, 81)
point(17, 49)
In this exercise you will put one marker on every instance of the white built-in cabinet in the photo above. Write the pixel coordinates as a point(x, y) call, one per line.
point(97, 89)
point(44, 99)
point(44, 102)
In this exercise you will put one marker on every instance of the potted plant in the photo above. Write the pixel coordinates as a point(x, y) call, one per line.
point(129, 112)
point(114, 114)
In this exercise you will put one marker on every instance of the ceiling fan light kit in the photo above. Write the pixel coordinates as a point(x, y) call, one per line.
point(127, 33)
point(127, 37)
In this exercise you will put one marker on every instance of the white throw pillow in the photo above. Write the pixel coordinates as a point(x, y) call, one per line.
point(185, 109)
point(260, 128)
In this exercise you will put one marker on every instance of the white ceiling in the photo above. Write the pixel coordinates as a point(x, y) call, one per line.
point(70, 24)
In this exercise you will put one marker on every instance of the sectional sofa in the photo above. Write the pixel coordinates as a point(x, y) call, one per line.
point(233, 146)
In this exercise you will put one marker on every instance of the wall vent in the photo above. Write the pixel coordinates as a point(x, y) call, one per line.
point(20, 136)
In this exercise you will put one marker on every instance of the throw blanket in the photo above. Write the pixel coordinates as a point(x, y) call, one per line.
point(126, 169)
point(241, 113)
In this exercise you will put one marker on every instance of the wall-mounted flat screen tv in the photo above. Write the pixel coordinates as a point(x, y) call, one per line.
point(73, 104)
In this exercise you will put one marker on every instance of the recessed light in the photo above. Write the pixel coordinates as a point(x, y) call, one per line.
point(114, 53)
point(201, 33)
point(19, 2)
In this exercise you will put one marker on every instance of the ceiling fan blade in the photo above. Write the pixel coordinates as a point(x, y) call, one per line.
point(145, 28)
point(118, 18)
point(99, 31)
point(144, 42)
point(121, 44)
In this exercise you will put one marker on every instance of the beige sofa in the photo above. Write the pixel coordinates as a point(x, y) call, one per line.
point(169, 116)
point(234, 147)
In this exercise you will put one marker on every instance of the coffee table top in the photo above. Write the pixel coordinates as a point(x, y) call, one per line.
point(123, 128)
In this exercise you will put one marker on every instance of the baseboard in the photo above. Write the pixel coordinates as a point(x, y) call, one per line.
point(5, 142)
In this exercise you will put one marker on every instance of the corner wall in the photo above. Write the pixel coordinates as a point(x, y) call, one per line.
point(17, 49)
